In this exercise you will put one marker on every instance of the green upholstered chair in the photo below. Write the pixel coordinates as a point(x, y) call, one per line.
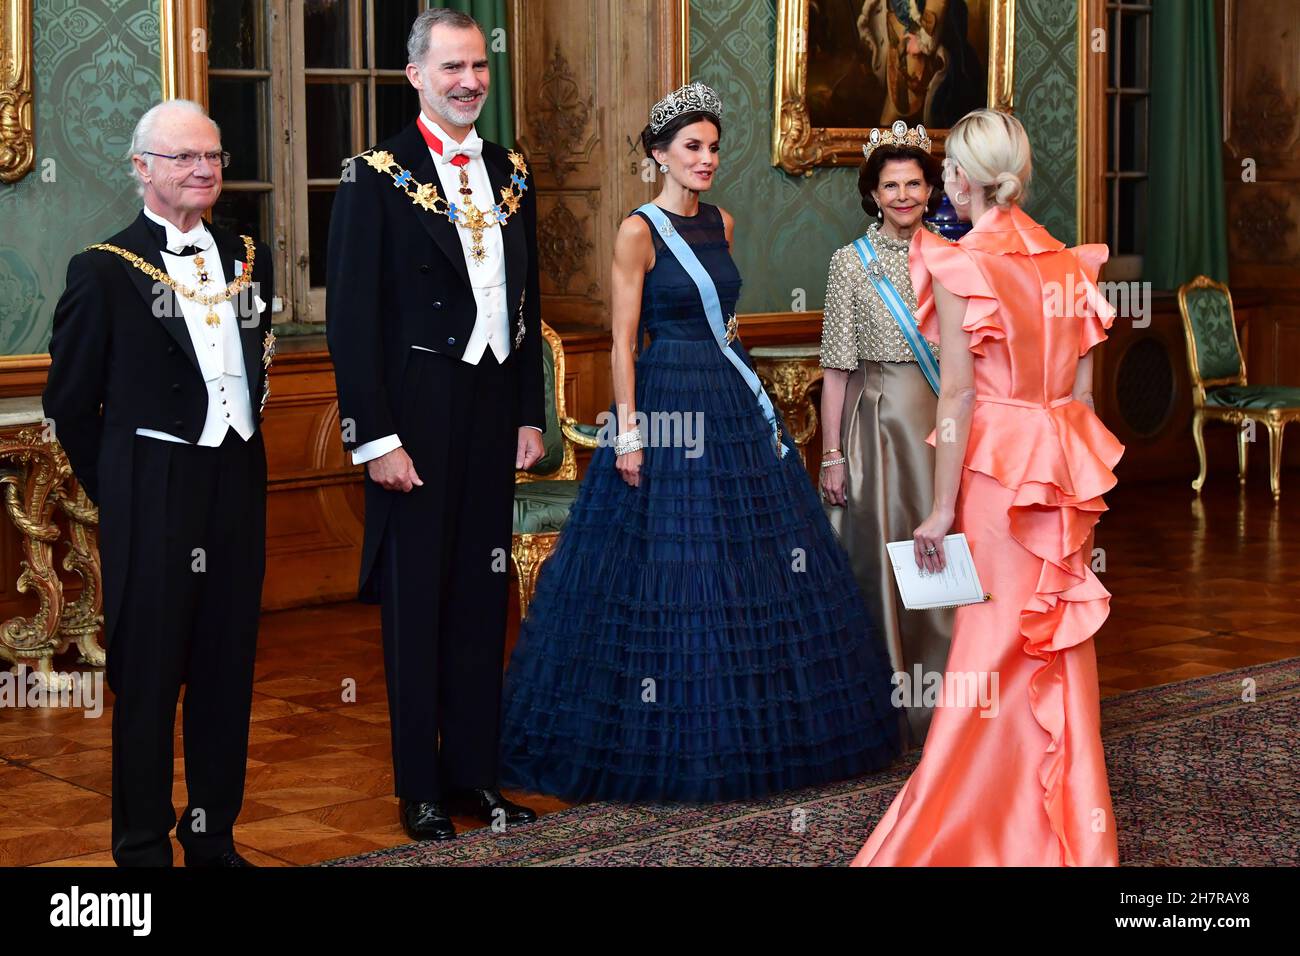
point(545, 492)
point(1218, 372)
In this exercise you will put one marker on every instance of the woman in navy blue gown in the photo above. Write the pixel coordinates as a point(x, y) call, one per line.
point(698, 634)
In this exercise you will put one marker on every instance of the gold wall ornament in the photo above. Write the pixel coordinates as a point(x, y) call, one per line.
point(17, 137)
point(789, 372)
point(83, 618)
point(29, 500)
point(798, 146)
point(37, 482)
point(528, 552)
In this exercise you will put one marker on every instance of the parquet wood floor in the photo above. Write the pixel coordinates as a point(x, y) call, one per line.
point(1199, 587)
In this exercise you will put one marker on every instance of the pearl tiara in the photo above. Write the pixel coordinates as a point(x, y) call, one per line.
point(691, 98)
point(897, 135)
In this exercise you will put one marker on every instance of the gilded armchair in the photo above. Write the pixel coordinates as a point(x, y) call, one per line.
point(1218, 373)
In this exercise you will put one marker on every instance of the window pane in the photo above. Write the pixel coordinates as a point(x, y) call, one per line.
point(320, 203)
point(393, 19)
point(1133, 54)
point(1133, 134)
point(234, 34)
point(247, 213)
point(327, 33)
point(1132, 216)
point(396, 105)
point(236, 106)
point(329, 127)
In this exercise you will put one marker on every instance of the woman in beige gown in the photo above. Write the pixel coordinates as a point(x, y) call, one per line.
point(877, 476)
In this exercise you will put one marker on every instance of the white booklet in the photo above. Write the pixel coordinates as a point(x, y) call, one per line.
point(957, 584)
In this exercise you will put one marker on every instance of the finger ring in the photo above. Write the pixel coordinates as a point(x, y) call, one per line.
point(931, 551)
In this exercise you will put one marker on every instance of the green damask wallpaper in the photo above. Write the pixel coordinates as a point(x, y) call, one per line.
point(96, 64)
point(787, 228)
point(1046, 101)
point(97, 69)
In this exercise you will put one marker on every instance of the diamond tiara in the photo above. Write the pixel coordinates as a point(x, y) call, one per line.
point(691, 98)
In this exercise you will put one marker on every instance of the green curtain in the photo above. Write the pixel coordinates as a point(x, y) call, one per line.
point(1186, 233)
point(497, 121)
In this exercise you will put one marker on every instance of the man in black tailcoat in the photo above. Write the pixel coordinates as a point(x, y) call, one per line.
point(158, 375)
point(435, 331)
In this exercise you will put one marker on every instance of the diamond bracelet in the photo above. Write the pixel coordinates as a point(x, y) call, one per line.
point(628, 442)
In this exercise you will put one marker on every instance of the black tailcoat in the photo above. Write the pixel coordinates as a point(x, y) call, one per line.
point(397, 277)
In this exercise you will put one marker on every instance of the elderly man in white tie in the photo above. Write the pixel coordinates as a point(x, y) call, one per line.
point(158, 376)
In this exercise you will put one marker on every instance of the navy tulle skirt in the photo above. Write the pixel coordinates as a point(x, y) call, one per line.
point(701, 637)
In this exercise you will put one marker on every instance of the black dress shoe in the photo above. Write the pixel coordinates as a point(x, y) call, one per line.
point(426, 820)
point(229, 858)
point(489, 806)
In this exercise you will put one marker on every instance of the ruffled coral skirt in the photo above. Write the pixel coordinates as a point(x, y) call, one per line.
point(1016, 777)
point(701, 637)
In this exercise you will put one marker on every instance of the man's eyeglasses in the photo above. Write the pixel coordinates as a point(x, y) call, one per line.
point(190, 160)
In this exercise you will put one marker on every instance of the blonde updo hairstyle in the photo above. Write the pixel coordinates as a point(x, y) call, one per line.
point(993, 150)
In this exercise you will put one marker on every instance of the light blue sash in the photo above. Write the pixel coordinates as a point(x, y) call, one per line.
point(899, 310)
point(713, 310)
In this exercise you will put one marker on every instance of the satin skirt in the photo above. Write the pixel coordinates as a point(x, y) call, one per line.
point(1019, 780)
point(889, 409)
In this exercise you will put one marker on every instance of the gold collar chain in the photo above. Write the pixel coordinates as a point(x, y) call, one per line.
point(236, 286)
point(468, 216)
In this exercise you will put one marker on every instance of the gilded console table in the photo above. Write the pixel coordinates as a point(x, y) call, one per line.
point(788, 372)
point(38, 485)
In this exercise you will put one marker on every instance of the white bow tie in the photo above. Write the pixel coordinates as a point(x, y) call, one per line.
point(199, 237)
point(473, 148)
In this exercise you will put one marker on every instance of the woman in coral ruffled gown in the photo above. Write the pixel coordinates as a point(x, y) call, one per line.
point(1021, 464)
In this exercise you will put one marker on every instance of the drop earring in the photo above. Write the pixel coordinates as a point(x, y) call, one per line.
point(663, 167)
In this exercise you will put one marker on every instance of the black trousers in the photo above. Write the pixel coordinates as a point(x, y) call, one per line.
point(189, 616)
point(443, 569)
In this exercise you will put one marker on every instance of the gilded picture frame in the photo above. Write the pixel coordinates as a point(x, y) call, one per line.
point(17, 137)
point(809, 128)
point(184, 70)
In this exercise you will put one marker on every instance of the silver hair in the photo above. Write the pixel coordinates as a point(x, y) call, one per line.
point(142, 138)
point(417, 44)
